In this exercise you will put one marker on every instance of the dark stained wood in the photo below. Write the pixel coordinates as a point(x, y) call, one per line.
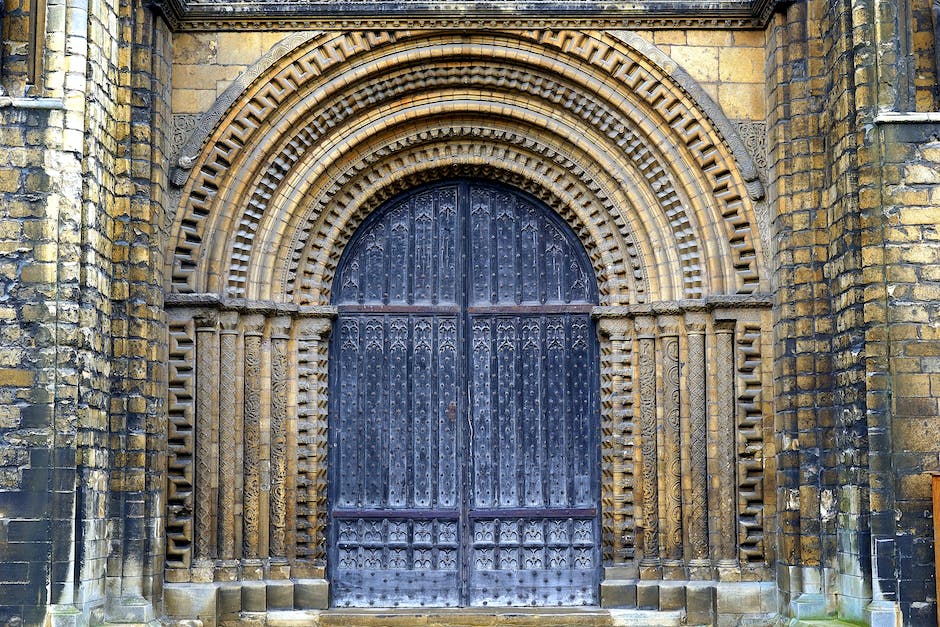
point(464, 422)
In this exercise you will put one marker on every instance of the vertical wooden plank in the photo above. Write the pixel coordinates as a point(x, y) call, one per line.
point(532, 414)
point(399, 270)
point(348, 378)
point(422, 412)
point(398, 410)
point(555, 264)
point(529, 256)
point(506, 416)
point(423, 246)
point(372, 414)
point(581, 384)
point(448, 237)
point(482, 422)
point(505, 243)
point(447, 406)
point(556, 412)
point(481, 245)
point(372, 279)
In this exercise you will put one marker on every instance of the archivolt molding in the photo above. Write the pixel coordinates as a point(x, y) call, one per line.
point(334, 87)
point(349, 196)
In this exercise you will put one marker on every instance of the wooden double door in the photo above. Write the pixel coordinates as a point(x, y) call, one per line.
point(464, 437)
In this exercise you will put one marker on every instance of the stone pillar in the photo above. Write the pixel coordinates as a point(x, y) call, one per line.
point(251, 460)
point(228, 442)
point(181, 422)
point(649, 485)
point(313, 332)
point(697, 511)
point(617, 441)
point(280, 340)
point(207, 420)
point(724, 550)
point(670, 505)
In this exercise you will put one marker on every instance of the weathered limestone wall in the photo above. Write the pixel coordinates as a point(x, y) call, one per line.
point(729, 65)
point(848, 93)
point(77, 163)
point(854, 195)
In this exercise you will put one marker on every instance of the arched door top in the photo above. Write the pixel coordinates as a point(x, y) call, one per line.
point(510, 247)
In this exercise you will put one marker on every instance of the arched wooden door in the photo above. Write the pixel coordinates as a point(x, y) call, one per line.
point(464, 429)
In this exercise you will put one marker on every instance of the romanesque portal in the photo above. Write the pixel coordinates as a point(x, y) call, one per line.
point(493, 331)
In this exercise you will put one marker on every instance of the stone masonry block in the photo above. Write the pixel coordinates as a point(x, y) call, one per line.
point(618, 593)
point(311, 594)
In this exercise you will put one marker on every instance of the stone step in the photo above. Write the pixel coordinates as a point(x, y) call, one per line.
point(475, 617)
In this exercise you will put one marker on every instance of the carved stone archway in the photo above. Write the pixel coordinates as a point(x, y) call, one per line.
point(602, 128)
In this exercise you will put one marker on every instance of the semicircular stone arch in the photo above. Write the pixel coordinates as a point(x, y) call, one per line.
point(666, 199)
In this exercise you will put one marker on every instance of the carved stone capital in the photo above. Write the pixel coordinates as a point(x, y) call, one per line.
point(669, 325)
point(645, 327)
point(617, 328)
point(280, 327)
point(315, 328)
point(206, 319)
point(228, 322)
point(724, 326)
point(696, 322)
point(253, 324)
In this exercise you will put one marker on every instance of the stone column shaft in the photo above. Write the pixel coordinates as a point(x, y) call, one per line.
point(698, 443)
point(725, 446)
point(280, 339)
point(251, 517)
point(671, 468)
point(646, 339)
point(207, 420)
point(228, 444)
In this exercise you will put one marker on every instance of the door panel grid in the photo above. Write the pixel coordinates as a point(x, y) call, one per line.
point(464, 464)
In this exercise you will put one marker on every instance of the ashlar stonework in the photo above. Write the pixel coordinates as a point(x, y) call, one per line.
point(577, 314)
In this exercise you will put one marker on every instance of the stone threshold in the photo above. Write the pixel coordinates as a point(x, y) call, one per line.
point(473, 617)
